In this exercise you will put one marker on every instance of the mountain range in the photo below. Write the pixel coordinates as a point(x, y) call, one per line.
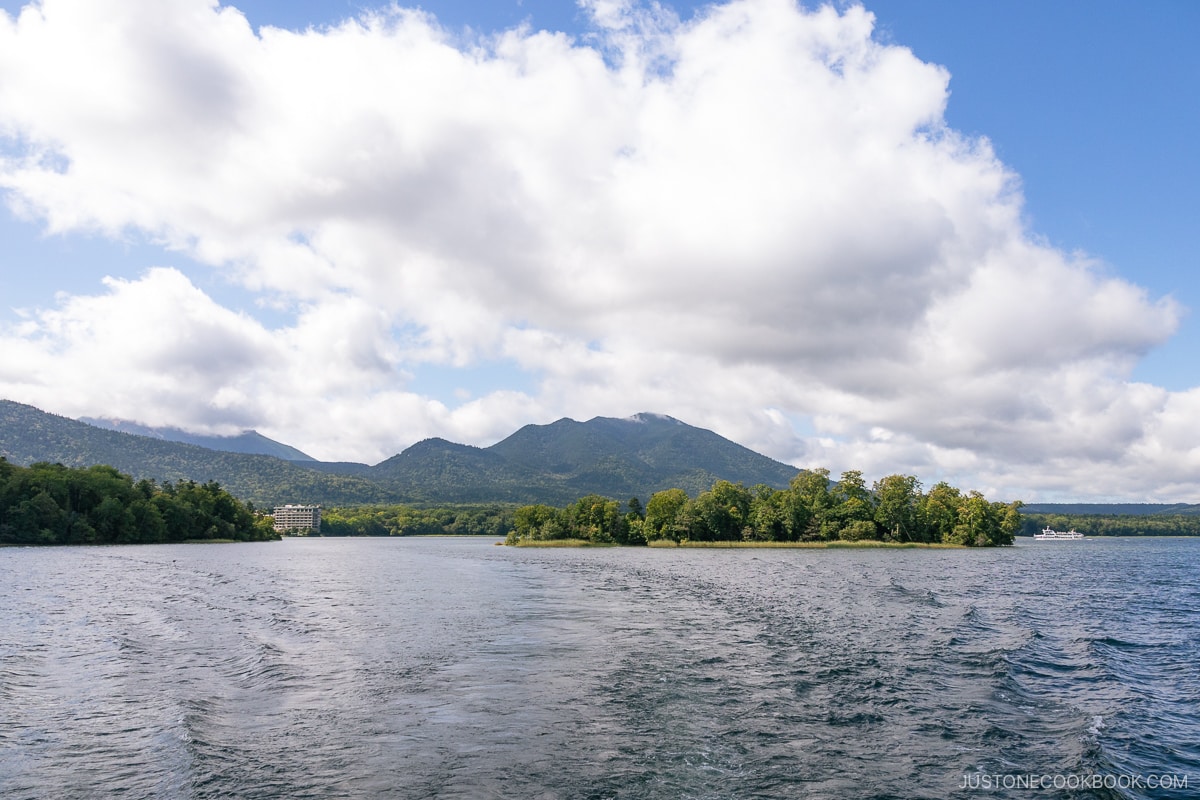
point(250, 442)
point(555, 463)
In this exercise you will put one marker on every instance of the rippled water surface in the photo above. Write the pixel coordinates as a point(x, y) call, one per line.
point(415, 668)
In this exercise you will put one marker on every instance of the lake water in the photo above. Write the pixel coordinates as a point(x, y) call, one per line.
point(451, 668)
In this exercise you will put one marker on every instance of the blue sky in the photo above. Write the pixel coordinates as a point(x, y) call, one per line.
point(1092, 104)
point(1053, 293)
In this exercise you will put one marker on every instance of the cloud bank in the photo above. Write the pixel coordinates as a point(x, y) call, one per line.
point(756, 221)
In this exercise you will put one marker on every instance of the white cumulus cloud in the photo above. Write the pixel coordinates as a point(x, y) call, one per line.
point(755, 217)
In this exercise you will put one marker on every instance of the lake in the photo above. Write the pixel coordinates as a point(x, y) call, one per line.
point(452, 668)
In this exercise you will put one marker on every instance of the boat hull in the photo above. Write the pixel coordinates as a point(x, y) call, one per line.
point(1049, 535)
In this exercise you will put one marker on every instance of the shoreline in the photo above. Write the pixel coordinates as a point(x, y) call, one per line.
point(834, 545)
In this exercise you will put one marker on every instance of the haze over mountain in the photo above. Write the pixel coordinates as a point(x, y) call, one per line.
point(553, 463)
point(28, 435)
point(246, 442)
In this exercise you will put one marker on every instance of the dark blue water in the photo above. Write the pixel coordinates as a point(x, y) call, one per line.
point(413, 668)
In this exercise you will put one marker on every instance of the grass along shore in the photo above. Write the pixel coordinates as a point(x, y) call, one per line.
point(861, 543)
point(668, 543)
point(561, 543)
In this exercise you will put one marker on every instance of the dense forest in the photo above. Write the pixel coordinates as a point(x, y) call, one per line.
point(53, 504)
point(894, 509)
point(400, 520)
point(1114, 524)
point(29, 436)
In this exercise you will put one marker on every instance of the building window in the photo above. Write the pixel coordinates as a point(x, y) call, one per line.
point(298, 519)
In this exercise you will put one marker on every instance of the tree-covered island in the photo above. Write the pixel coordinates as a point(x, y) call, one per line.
point(48, 504)
point(811, 509)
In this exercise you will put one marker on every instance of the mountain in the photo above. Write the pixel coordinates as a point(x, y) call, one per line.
point(435, 470)
point(28, 435)
point(638, 455)
point(562, 461)
point(555, 463)
point(250, 442)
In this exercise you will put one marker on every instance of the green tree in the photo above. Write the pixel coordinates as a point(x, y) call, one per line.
point(768, 515)
point(635, 508)
point(113, 521)
point(635, 522)
point(720, 514)
point(858, 530)
point(148, 521)
point(978, 522)
point(38, 520)
point(937, 512)
point(597, 519)
point(537, 522)
point(1010, 522)
point(807, 504)
point(854, 509)
point(662, 514)
point(897, 499)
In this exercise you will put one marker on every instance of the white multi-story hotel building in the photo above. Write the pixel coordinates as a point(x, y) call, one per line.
point(303, 518)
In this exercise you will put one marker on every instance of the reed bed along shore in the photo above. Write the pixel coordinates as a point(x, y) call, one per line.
point(864, 543)
point(563, 543)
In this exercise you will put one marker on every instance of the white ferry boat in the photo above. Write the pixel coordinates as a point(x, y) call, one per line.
point(1048, 533)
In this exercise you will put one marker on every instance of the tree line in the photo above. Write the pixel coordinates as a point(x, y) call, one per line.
point(28, 435)
point(48, 504)
point(401, 520)
point(1114, 524)
point(812, 509)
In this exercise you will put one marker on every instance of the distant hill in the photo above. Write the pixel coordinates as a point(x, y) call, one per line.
point(249, 442)
point(555, 463)
point(562, 461)
point(435, 470)
point(1122, 509)
point(638, 455)
point(28, 435)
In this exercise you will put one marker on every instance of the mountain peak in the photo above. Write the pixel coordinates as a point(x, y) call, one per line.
point(637, 455)
point(644, 417)
point(437, 443)
point(556, 463)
